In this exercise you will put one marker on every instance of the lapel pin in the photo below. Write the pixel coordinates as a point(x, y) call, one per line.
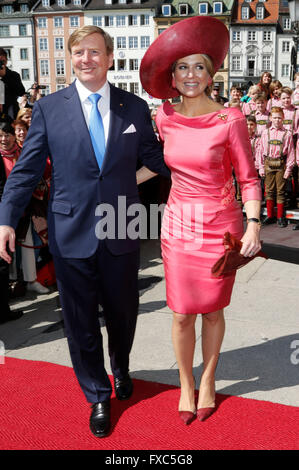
point(120, 104)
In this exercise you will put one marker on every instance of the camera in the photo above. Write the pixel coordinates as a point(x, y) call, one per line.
point(38, 87)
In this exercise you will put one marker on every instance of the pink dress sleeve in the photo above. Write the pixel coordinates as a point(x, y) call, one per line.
point(242, 161)
point(158, 119)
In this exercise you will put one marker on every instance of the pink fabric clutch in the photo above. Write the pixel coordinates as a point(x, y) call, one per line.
point(232, 259)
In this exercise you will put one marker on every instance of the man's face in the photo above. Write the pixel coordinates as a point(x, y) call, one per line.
point(91, 62)
point(261, 106)
point(251, 126)
point(286, 100)
point(277, 119)
point(4, 60)
point(7, 140)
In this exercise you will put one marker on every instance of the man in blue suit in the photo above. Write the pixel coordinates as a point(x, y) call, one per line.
point(82, 179)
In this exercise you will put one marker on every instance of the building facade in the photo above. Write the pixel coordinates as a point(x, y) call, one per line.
point(17, 38)
point(132, 27)
point(55, 21)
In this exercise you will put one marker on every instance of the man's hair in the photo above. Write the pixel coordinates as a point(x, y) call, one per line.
point(276, 109)
point(260, 97)
point(6, 126)
point(251, 118)
point(85, 31)
point(287, 90)
point(3, 52)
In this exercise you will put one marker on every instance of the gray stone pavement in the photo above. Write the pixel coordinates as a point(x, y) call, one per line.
point(260, 353)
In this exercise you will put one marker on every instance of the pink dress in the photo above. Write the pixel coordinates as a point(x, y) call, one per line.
point(200, 152)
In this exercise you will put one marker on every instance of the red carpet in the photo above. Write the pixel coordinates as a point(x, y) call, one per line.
point(42, 407)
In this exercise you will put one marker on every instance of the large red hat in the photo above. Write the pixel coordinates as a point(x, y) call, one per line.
point(196, 35)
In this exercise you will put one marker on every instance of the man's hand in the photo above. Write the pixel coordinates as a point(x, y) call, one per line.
point(7, 235)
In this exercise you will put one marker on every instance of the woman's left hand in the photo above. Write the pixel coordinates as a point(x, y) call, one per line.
point(251, 240)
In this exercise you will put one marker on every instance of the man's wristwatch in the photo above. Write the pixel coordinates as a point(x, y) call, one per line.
point(253, 219)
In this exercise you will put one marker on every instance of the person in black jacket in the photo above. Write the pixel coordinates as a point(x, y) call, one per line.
point(5, 313)
point(13, 87)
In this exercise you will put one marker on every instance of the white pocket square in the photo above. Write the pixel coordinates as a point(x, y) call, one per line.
point(130, 129)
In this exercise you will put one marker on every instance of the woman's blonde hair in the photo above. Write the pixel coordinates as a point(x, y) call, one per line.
point(22, 113)
point(85, 31)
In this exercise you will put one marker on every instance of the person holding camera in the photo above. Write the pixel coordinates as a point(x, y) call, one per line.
point(13, 87)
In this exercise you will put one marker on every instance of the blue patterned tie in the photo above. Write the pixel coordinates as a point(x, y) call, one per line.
point(96, 129)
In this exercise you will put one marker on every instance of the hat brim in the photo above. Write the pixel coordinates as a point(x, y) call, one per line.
point(196, 35)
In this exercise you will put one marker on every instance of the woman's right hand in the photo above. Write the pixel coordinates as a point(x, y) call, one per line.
point(7, 235)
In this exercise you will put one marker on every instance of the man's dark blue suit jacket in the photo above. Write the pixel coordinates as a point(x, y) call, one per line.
point(59, 130)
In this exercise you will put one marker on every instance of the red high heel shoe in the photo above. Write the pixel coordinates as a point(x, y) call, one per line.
point(187, 416)
point(205, 413)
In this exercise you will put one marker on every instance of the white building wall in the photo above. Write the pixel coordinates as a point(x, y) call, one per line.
point(14, 42)
point(283, 69)
point(123, 75)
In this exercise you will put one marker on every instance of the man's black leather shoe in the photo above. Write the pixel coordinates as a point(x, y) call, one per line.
point(99, 422)
point(269, 220)
point(123, 388)
point(10, 316)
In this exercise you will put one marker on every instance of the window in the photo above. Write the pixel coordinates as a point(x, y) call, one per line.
point(58, 22)
point(133, 42)
point(61, 3)
point(24, 54)
point(25, 74)
point(74, 21)
point(59, 64)
point(251, 35)
point(134, 88)
point(59, 45)
point(45, 91)
point(23, 30)
point(287, 23)
point(7, 9)
point(267, 36)
point(42, 22)
point(109, 20)
point(166, 10)
point(120, 20)
point(183, 9)
point(236, 63)
point(203, 8)
point(46, 3)
point(121, 42)
point(133, 20)
point(60, 87)
point(285, 46)
point(77, 2)
point(285, 70)
point(123, 86)
point(217, 8)
point(260, 12)
point(43, 44)
point(144, 20)
point(108, 2)
point(236, 35)
point(266, 62)
point(245, 13)
point(24, 8)
point(44, 67)
point(122, 1)
point(144, 42)
point(4, 31)
point(97, 21)
point(121, 65)
point(133, 64)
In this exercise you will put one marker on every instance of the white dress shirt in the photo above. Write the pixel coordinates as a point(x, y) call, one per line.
point(103, 104)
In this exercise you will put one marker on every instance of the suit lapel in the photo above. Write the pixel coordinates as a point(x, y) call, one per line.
point(76, 118)
point(117, 107)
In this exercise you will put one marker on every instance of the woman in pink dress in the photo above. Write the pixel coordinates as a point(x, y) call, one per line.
point(203, 141)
